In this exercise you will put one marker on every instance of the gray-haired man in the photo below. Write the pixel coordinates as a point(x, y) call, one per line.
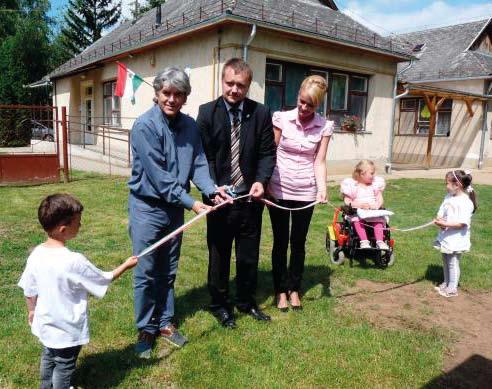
point(159, 188)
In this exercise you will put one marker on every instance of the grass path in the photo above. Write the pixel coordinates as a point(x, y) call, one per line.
point(318, 347)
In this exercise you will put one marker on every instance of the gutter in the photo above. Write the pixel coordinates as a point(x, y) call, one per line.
point(37, 84)
point(485, 110)
point(487, 77)
point(396, 97)
point(250, 39)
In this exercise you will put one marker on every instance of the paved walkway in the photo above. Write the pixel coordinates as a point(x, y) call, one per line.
point(483, 176)
point(88, 160)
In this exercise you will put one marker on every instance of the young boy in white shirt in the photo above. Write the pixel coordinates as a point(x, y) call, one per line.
point(56, 284)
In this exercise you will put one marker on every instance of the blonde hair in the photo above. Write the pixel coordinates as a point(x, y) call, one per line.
point(315, 86)
point(361, 167)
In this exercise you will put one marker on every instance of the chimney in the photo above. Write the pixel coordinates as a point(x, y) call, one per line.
point(158, 16)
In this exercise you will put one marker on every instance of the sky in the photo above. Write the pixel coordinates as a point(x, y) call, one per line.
point(386, 16)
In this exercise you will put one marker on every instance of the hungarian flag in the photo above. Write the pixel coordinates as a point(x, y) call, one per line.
point(127, 83)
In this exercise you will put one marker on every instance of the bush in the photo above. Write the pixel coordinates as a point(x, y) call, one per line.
point(15, 128)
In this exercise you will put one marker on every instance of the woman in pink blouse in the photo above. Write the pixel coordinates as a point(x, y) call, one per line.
point(299, 178)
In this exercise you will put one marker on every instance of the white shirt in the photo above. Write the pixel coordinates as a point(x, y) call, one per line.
point(61, 279)
point(455, 209)
point(240, 110)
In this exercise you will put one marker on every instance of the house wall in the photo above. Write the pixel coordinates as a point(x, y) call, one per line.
point(65, 94)
point(461, 148)
point(488, 138)
point(345, 149)
point(201, 54)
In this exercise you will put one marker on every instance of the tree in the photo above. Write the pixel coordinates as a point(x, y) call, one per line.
point(59, 53)
point(85, 21)
point(141, 9)
point(9, 13)
point(24, 55)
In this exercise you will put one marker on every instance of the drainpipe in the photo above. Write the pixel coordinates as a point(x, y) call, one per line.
point(217, 75)
point(250, 39)
point(387, 167)
point(485, 108)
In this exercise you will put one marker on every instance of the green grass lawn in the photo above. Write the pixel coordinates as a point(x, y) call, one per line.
point(317, 347)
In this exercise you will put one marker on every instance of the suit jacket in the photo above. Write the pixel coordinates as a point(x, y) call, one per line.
point(257, 145)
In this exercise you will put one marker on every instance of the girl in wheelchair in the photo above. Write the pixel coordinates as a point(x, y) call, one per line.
point(365, 192)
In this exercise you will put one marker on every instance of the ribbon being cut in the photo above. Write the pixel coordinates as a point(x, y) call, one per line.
point(364, 215)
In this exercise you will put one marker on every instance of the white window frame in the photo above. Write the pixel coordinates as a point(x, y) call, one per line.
point(108, 117)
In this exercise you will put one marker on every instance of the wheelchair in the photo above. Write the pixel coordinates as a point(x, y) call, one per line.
point(342, 241)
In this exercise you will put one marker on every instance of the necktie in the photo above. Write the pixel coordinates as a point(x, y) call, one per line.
point(236, 176)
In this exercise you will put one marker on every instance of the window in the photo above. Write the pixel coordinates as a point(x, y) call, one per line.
point(418, 48)
point(322, 109)
point(111, 105)
point(415, 117)
point(443, 125)
point(346, 95)
point(408, 105)
point(339, 92)
point(273, 72)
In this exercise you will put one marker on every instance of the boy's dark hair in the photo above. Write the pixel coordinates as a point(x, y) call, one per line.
point(464, 179)
point(58, 209)
point(239, 66)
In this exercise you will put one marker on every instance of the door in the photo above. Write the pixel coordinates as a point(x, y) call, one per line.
point(89, 138)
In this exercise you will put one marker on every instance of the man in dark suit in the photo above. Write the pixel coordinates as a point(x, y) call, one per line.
point(238, 140)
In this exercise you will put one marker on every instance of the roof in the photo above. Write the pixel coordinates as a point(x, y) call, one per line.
point(313, 17)
point(447, 54)
point(443, 92)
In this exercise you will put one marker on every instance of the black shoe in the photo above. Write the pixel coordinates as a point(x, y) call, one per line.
point(256, 313)
point(224, 317)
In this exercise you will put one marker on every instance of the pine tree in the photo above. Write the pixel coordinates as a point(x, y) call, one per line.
point(136, 13)
point(85, 21)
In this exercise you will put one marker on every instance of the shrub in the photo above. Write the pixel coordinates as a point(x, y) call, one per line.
point(15, 128)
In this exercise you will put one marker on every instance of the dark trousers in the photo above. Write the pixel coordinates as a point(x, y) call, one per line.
point(289, 279)
point(239, 223)
point(57, 367)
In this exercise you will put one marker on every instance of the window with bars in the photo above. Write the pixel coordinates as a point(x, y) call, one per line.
point(111, 105)
point(346, 95)
point(415, 117)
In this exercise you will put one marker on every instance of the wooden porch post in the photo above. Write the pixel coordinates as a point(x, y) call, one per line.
point(433, 107)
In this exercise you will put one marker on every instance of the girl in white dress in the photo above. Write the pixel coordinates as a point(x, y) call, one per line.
point(454, 219)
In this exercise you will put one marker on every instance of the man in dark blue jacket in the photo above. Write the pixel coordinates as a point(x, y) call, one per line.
point(167, 154)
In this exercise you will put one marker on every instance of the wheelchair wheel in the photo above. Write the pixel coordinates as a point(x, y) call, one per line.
point(386, 260)
point(391, 259)
point(337, 256)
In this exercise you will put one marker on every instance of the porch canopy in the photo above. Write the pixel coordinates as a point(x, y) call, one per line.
point(434, 98)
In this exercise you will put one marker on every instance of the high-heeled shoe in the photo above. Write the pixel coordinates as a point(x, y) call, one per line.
point(281, 309)
point(295, 307)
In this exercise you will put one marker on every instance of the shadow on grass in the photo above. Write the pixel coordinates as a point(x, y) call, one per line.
point(434, 274)
point(197, 299)
point(108, 368)
point(388, 289)
point(475, 372)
